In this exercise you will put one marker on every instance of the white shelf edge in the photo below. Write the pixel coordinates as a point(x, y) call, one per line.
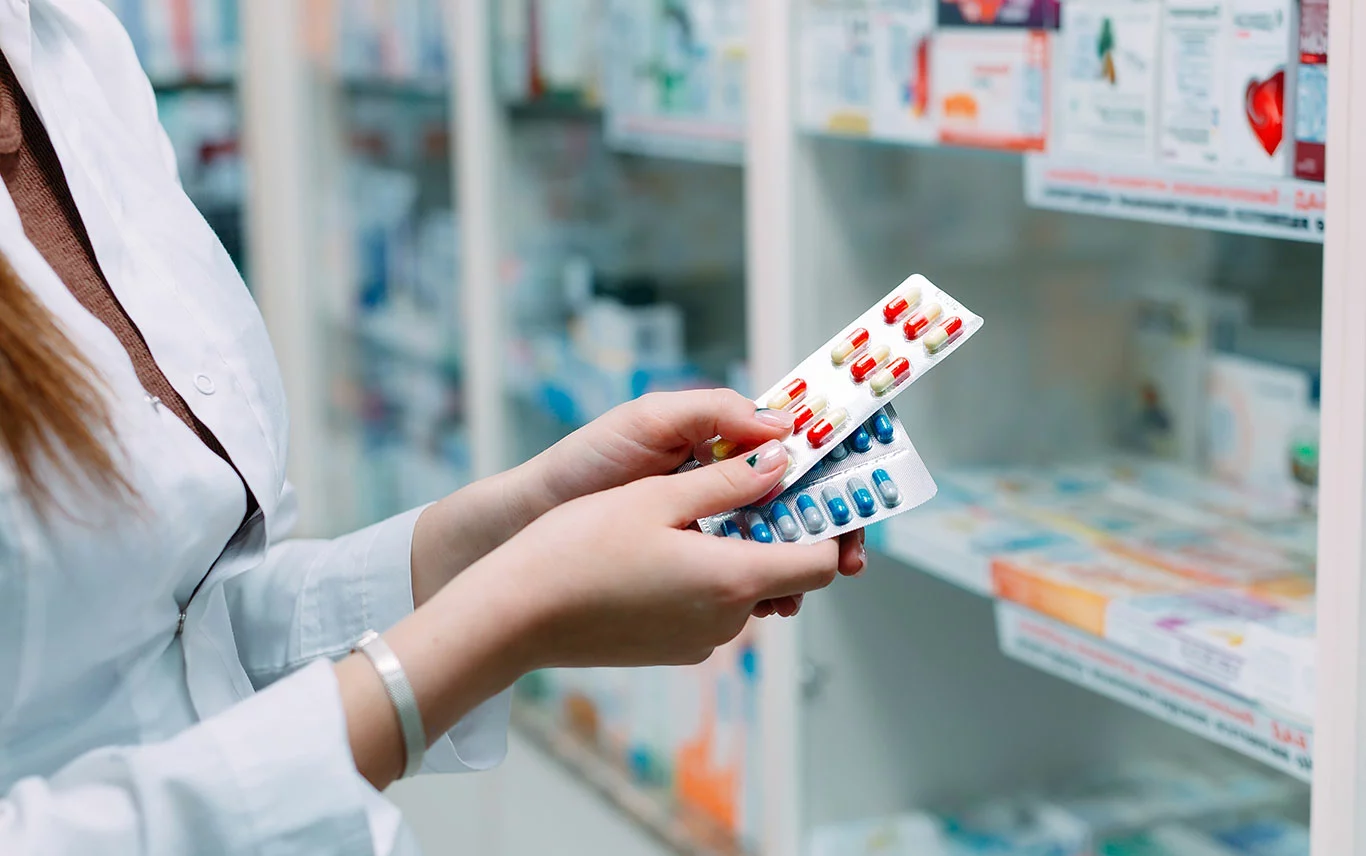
point(684, 833)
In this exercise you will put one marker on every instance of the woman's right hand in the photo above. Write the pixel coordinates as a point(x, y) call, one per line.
point(610, 579)
point(615, 578)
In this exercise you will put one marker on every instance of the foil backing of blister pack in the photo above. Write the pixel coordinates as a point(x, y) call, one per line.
point(915, 327)
point(847, 490)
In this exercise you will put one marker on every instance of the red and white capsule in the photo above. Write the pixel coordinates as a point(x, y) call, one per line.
point(901, 304)
point(889, 378)
point(840, 354)
point(803, 413)
point(921, 321)
point(941, 336)
point(826, 427)
point(794, 390)
point(869, 363)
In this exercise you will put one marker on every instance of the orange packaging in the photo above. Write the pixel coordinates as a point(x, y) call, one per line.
point(1076, 585)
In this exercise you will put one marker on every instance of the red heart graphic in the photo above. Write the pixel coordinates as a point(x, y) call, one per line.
point(1265, 106)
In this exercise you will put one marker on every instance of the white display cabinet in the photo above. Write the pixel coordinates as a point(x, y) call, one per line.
point(355, 114)
point(1125, 298)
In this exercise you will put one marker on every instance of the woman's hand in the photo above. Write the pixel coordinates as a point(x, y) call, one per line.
point(650, 436)
point(610, 579)
point(656, 434)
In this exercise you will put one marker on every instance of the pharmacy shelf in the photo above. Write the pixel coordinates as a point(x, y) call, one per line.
point(218, 86)
point(1279, 740)
point(404, 91)
point(1116, 673)
point(685, 833)
point(682, 139)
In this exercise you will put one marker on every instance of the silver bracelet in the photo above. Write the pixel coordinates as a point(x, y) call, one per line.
point(400, 692)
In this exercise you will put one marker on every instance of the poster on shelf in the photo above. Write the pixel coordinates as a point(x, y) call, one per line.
point(1191, 71)
point(991, 88)
point(1243, 204)
point(835, 68)
point(1107, 73)
point(901, 94)
point(1311, 91)
point(1262, 38)
point(1027, 14)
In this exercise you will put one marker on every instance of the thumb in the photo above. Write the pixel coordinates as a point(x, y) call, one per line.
point(730, 484)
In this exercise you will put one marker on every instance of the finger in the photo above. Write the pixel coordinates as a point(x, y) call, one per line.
point(787, 606)
point(771, 571)
point(684, 497)
point(853, 556)
point(763, 610)
point(699, 415)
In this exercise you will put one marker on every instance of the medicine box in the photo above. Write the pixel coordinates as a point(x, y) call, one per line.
point(1076, 585)
point(1107, 78)
point(1262, 40)
point(1190, 104)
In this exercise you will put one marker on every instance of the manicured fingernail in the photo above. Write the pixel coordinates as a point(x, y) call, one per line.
point(776, 418)
point(768, 458)
point(721, 449)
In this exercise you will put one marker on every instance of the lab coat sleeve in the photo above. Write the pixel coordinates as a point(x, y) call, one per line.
point(314, 598)
point(273, 774)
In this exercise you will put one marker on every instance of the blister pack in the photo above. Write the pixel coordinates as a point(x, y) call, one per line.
point(862, 368)
point(871, 475)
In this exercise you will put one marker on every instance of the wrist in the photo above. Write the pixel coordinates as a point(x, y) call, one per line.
point(466, 645)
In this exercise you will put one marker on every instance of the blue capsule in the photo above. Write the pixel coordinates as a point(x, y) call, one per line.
point(886, 488)
point(758, 529)
point(812, 518)
point(731, 530)
point(882, 428)
point(862, 496)
point(860, 440)
point(838, 453)
point(784, 522)
point(839, 509)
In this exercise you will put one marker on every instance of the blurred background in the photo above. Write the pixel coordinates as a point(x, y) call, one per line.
point(476, 225)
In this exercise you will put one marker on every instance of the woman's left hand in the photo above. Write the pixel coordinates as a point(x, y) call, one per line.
point(654, 435)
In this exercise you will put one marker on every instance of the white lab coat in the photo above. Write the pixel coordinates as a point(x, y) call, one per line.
point(117, 735)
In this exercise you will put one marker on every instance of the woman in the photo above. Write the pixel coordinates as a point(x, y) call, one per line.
point(176, 676)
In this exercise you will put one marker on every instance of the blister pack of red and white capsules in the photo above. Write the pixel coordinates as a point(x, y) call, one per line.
point(862, 368)
point(873, 474)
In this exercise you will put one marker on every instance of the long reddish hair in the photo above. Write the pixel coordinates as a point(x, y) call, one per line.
point(51, 406)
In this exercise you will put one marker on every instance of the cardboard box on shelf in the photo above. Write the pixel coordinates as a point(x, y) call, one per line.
point(1257, 412)
point(1029, 14)
point(1107, 73)
point(1191, 98)
point(1225, 557)
point(1201, 633)
point(991, 88)
point(1076, 585)
point(1311, 91)
point(835, 68)
point(1262, 37)
point(901, 94)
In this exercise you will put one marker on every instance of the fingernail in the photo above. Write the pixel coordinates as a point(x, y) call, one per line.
point(768, 458)
point(862, 561)
point(721, 449)
point(776, 418)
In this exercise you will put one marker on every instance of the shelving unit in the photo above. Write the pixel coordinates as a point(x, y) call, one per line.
point(896, 692)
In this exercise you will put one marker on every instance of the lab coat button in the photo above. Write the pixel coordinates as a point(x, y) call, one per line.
point(204, 384)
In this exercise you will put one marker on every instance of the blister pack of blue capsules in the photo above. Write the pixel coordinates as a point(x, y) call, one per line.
point(871, 475)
